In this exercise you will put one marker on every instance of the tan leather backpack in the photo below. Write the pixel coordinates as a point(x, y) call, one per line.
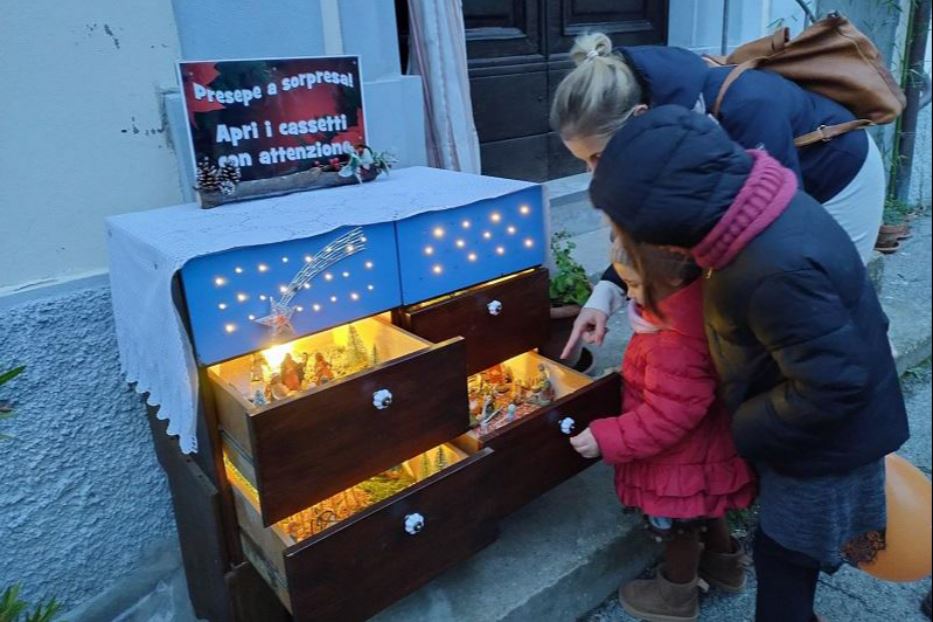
point(832, 58)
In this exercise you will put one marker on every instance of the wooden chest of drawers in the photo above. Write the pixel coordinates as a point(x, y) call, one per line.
point(346, 503)
point(340, 471)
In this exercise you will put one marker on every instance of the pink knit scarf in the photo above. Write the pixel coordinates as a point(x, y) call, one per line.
point(766, 194)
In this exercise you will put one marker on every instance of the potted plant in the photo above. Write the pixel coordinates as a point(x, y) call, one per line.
point(894, 227)
point(14, 609)
point(569, 290)
point(6, 409)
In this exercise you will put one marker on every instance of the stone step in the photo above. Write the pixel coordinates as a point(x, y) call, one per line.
point(555, 559)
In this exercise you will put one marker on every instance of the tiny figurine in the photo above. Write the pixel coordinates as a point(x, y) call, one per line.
point(302, 366)
point(475, 411)
point(510, 412)
point(375, 356)
point(259, 398)
point(495, 376)
point(256, 366)
point(543, 388)
point(489, 407)
point(277, 387)
point(323, 373)
point(289, 373)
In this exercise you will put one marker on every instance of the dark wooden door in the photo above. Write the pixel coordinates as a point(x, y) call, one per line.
point(518, 53)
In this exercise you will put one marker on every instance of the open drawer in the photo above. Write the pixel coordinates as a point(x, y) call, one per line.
point(351, 555)
point(368, 396)
point(531, 440)
point(498, 320)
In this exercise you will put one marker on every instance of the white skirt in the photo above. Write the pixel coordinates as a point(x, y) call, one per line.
point(859, 207)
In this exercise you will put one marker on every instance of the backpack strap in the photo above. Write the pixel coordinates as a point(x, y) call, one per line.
point(734, 75)
point(826, 133)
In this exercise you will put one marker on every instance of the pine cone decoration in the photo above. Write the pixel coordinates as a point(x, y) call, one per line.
point(222, 179)
point(229, 177)
point(207, 177)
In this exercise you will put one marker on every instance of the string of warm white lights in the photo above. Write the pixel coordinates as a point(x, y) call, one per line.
point(491, 235)
point(440, 233)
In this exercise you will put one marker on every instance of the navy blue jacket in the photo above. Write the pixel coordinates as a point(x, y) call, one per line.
point(761, 109)
point(794, 325)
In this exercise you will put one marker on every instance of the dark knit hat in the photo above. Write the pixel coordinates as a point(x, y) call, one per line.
point(668, 176)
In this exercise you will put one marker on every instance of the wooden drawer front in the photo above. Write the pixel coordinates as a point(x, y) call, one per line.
point(535, 455)
point(309, 448)
point(361, 565)
point(370, 561)
point(522, 322)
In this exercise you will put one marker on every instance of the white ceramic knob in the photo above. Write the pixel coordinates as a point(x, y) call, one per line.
point(567, 425)
point(494, 307)
point(414, 523)
point(382, 399)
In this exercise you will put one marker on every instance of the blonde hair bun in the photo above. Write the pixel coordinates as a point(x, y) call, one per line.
point(589, 46)
point(598, 95)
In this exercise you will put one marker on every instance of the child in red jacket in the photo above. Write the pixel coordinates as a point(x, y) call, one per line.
point(672, 447)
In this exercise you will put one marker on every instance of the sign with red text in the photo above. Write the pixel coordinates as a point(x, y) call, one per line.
point(269, 126)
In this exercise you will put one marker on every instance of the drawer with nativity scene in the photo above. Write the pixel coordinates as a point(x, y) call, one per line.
point(308, 418)
point(352, 554)
point(526, 408)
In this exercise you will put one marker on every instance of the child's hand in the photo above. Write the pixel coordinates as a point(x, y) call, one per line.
point(585, 444)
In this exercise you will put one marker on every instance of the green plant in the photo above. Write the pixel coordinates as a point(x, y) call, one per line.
point(896, 211)
point(13, 609)
point(569, 284)
point(6, 411)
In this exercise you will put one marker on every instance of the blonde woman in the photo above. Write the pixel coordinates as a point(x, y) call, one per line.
point(610, 86)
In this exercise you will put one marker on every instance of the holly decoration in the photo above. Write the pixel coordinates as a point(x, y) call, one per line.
point(365, 159)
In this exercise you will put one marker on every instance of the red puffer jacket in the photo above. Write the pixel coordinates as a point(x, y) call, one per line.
point(672, 447)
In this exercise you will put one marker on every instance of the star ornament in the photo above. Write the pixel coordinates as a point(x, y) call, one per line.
point(279, 319)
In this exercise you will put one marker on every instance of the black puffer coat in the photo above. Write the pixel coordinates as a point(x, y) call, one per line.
point(794, 326)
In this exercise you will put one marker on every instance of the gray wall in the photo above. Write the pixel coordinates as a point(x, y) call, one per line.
point(83, 496)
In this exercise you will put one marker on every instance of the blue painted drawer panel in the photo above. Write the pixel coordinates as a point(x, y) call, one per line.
point(227, 292)
point(443, 251)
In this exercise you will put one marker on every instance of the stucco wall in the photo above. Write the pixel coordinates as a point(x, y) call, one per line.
point(82, 496)
point(81, 126)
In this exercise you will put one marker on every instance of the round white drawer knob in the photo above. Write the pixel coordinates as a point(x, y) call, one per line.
point(414, 523)
point(495, 307)
point(382, 399)
point(567, 425)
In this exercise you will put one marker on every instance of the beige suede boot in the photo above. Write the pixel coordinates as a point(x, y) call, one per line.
point(659, 600)
point(725, 571)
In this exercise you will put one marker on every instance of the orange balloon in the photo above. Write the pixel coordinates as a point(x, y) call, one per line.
point(907, 553)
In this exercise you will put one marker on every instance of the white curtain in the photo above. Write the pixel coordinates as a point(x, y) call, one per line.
point(438, 54)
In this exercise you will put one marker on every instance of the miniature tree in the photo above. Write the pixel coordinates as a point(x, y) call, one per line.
point(356, 350)
point(425, 466)
point(441, 460)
